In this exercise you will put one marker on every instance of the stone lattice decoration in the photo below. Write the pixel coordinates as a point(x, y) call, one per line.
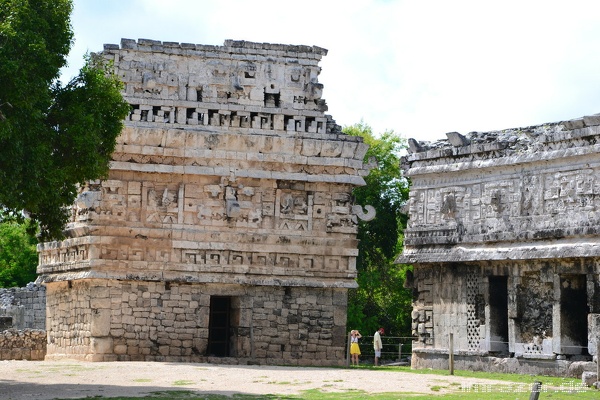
point(504, 236)
point(227, 226)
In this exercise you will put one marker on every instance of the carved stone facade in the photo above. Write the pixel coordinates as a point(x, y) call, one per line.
point(504, 236)
point(226, 227)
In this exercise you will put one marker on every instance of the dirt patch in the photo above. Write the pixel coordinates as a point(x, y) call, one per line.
point(47, 380)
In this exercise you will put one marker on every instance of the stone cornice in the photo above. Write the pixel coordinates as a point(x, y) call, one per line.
point(229, 48)
point(556, 249)
point(510, 146)
point(451, 165)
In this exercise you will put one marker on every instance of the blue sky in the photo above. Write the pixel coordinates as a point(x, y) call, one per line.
point(421, 68)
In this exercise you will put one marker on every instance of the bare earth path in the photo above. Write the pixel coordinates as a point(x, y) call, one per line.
point(46, 380)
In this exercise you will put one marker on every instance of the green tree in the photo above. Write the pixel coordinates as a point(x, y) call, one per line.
point(52, 137)
point(381, 300)
point(18, 255)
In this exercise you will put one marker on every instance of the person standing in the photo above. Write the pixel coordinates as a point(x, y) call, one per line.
point(354, 347)
point(377, 345)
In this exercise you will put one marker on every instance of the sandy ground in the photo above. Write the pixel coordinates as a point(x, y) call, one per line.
point(45, 380)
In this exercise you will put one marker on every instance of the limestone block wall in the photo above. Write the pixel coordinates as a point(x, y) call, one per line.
point(109, 320)
point(26, 344)
point(69, 319)
point(24, 307)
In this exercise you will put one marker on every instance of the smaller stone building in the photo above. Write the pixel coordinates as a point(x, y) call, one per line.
point(504, 236)
point(23, 308)
point(22, 323)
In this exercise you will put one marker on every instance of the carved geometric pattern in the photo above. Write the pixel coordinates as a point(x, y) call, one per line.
point(65, 255)
point(255, 259)
point(473, 335)
point(480, 205)
point(532, 349)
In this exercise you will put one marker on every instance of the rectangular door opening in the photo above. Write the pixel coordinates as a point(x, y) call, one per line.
point(498, 314)
point(219, 331)
point(573, 314)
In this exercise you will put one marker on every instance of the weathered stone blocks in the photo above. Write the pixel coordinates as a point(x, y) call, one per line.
point(27, 344)
point(23, 308)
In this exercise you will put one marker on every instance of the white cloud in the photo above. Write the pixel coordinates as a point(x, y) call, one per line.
point(421, 68)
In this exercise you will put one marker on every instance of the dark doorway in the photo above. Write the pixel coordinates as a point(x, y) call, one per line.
point(498, 314)
point(6, 323)
point(218, 326)
point(573, 314)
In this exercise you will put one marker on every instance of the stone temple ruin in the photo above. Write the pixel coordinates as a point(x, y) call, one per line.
point(226, 230)
point(504, 236)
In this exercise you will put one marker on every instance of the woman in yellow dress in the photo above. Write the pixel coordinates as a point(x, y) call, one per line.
point(354, 348)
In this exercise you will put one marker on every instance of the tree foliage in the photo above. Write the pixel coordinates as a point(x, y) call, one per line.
point(381, 300)
point(18, 256)
point(52, 137)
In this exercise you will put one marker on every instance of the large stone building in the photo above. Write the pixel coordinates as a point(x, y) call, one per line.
point(504, 236)
point(226, 227)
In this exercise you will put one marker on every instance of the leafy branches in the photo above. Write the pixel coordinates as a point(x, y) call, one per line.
point(52, 138)
point(18, 256)
point(381, 299)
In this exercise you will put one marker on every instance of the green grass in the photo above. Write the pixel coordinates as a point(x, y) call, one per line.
point(519, 378)
point(182, 383)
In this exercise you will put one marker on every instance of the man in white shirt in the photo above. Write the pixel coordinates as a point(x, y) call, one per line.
point(377, 345)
